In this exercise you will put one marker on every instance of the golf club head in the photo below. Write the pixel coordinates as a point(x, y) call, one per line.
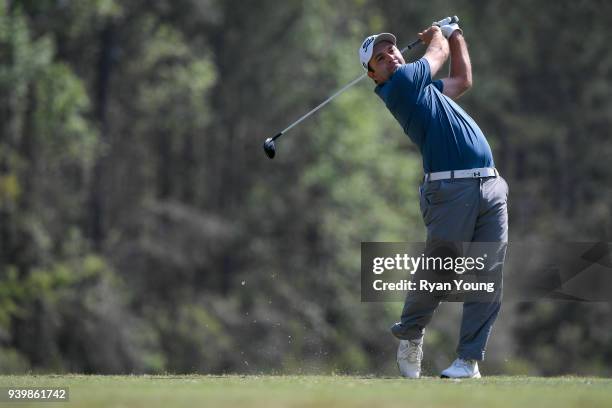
point(269, 147)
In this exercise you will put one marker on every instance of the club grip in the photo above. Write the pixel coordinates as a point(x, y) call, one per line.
point(447, 20)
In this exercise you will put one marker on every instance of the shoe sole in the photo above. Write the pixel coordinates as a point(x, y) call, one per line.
point(459, 378)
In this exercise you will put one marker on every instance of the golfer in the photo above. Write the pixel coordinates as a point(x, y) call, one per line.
point(462, 197)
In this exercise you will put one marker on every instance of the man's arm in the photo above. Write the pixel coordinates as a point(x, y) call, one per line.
point(460, 77)
point(437, 49)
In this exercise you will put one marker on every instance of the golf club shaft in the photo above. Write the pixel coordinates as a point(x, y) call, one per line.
point(338, 92)
point(325, 102)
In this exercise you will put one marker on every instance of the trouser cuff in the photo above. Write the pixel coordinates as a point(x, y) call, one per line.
point(471, 355)
point(404, 332)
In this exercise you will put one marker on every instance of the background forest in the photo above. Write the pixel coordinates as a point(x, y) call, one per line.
point(143, 230)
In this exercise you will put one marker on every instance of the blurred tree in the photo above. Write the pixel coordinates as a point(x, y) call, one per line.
point(135, 198)
point(47, 151)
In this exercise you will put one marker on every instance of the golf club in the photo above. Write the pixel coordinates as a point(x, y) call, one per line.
point(269, 145)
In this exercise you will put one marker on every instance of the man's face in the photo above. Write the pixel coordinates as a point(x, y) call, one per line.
point(386, 58)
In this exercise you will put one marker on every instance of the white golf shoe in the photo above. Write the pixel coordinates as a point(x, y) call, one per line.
point(409, 356)
point(462, 369)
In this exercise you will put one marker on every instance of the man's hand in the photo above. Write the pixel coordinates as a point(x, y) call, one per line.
point(449, 29)
point(428, 35)
point(437, 48)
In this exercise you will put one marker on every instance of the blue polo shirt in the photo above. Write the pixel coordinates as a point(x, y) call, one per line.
point(447, 137)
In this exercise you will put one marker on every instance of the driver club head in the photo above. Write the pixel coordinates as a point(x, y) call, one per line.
point(269, 147)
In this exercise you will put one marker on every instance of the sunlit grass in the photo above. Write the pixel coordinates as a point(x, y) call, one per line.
point(319, 391)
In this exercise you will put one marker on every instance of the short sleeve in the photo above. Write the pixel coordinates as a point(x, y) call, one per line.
point(416, 75)
point(439, 85)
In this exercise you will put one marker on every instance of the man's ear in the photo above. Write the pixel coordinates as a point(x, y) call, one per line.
point(373, 76)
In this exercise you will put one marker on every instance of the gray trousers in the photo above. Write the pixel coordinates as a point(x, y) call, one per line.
point(463, 211)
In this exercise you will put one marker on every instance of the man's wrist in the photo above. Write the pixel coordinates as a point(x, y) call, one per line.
point(455, 34)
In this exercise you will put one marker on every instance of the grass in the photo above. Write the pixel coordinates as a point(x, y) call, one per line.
point(318, 391)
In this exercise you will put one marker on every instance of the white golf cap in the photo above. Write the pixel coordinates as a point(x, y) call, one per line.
point(366, 49)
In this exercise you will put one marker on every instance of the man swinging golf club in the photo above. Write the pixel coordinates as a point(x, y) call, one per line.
point(462, 197)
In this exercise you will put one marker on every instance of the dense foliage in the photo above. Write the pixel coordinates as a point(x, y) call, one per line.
point(142, 229)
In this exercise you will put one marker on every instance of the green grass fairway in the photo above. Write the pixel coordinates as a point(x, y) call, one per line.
point(318, 391)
